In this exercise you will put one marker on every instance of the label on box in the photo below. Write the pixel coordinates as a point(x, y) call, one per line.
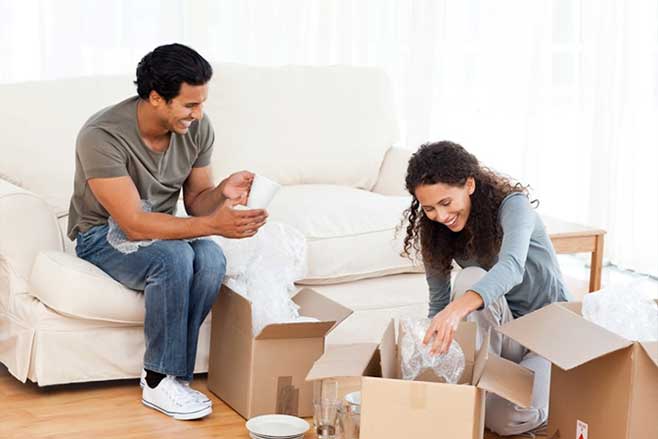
point(581, 429)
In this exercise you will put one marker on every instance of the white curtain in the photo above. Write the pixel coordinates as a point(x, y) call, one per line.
point(560, 94)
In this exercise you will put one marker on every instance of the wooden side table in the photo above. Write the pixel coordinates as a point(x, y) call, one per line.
point(575, 238)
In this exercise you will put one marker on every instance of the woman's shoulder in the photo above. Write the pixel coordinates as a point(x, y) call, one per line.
point(515, 209)
point(515, 201)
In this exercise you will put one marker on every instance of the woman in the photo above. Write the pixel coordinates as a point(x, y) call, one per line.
point(465, 212)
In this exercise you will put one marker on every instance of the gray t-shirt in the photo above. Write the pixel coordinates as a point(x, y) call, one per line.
point(526, 270)
point(109, 145)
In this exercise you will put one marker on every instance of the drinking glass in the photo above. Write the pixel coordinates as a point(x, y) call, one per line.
point(325, 418)
point(326, 406)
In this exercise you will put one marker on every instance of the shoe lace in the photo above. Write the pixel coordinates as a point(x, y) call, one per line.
point(198, 396)
point(177, 392)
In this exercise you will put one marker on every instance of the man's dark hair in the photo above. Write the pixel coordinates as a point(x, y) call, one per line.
point(167, 67)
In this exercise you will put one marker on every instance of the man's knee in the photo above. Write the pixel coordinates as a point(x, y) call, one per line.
point(209, 256)
point(174, 256)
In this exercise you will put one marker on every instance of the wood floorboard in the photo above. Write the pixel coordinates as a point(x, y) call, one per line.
point(114, 410)
point(105, 410)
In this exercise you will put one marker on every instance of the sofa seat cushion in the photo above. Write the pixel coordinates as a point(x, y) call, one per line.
point(75, 287)
point(350, 233)
point(375, 302)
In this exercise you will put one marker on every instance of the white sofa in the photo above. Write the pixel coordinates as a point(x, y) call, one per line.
point(325, 133)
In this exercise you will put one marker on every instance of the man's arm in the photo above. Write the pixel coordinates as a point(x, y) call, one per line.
point(199, 194)
point(119, 196)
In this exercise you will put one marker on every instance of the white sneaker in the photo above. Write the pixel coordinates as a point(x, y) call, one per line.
point(173, 399)
point(199, 396)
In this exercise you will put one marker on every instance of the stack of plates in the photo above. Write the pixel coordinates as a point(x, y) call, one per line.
point(277, 427)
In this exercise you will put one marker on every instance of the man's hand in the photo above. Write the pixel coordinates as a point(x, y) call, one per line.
point(230, 223)
point(444, 324)
point(237, 185)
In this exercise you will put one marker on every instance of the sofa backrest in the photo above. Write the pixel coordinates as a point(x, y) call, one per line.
point(294, 124)
point(302, 124)
point(39, 122)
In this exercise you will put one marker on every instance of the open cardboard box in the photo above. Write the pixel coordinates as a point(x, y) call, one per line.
point(395, 408)
point(603, 386)
point(264, 374)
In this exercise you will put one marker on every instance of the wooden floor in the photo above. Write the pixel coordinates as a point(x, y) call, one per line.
point(105, 410)
point(114, 410)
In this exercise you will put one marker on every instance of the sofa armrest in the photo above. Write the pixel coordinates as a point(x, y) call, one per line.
point(393, 172)
point(27, 226)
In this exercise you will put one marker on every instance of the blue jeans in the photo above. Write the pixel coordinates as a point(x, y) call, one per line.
point(180, 281)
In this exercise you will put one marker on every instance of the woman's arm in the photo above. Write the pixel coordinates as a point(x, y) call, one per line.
point(439, 288)
point(517, 219)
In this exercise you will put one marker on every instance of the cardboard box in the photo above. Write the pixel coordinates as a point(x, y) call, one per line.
point(603, 386)
point(395, 408)
point(264, 374)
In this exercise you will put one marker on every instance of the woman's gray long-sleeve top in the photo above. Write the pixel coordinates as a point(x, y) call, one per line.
point(526, 270)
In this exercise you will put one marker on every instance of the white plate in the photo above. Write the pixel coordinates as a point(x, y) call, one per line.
point(277, 426)
point(256, 436)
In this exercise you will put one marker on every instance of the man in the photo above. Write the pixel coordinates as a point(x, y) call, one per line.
point(141, 152)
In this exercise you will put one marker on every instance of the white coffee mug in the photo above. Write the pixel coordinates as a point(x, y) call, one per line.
point(262, 191)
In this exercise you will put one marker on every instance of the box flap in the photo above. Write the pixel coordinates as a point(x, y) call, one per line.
point(563, 337)
point(466, 335)
point(507, 379)
point(651, 348)
point(481, 358)
point(575, 307)
point(343, 361)
point(388, 352)
point(295, 330)
point(313, 304)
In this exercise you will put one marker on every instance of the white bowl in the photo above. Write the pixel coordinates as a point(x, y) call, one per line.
point(353, 398)
point(277, 426)
point(256, 436)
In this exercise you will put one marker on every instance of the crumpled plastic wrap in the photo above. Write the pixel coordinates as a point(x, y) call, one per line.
point(263, 269)
point(117, 239)
point(625, 310)
point(416, 359)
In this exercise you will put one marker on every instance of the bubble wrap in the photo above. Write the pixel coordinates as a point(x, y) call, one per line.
point(263, 269)
point(117, 239)
point(416, 358)
point(625, 310)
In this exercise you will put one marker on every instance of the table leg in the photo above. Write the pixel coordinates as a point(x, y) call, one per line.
point(596, 265)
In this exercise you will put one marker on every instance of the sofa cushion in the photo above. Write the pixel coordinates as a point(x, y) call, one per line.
point(350, 233)
point(393, 172)
point(302, 124)
point(75, 287)
point(35, 125)
point(375, 302)
point(27, 226)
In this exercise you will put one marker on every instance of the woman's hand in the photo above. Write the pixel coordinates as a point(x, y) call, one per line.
point(237, 185)
point(444, 325)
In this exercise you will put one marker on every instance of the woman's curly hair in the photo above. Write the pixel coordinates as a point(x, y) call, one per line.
point(449, 163)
